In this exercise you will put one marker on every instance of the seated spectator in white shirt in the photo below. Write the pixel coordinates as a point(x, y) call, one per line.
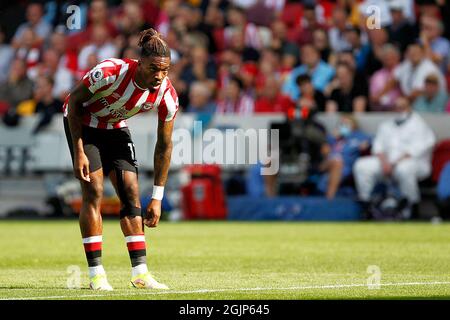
point(401, 151)
point(410, 75)
point(432, 99)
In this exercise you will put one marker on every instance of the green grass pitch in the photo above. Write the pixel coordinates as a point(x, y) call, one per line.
point(232, 260)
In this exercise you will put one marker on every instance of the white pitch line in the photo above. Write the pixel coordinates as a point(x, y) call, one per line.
point(331, 286)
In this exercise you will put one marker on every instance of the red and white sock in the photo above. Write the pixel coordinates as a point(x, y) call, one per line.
point(93, 249)
point(138, 254)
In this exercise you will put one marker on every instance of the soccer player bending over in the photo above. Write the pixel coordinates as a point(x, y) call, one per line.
point(100, 144)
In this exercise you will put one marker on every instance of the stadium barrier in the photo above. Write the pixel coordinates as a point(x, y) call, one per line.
point(23, 152)
point(292, 209)
point(27, 159)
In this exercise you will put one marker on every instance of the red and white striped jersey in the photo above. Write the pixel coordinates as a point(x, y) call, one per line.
point(117, 97)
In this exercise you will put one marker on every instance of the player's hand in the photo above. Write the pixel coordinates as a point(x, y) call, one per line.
point(81, 167)
point(153, 213)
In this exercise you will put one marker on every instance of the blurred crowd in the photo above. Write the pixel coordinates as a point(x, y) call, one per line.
point(238, 56)
point(258, 56)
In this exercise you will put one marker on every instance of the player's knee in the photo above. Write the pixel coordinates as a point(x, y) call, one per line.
point(129, 194)
point(93, 194)
point(131, 206)
point(130, 201)
point(130, 211)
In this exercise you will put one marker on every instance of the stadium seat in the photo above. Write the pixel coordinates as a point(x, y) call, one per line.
point(3, 107)
point(441, 155)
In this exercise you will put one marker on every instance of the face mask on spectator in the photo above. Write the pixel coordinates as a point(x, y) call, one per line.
point(344, 130)
point(401, 117)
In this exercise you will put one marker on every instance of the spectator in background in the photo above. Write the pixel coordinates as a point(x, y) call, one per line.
point(200, 99)
point(320, 42)
point(233, 100)
point(352, 7)
point(46, 105)
point(61, 78)
point(436, 47)
point(401, 151)
point(360, 51)
point(444, 8)
point(292, 16)
point(174, 43)
point(348, 58)
point(230, 65)
point(192, 19)
point(280, 41)
point(248, 75)
point(268, 66)
point(98, 15)
point(377, 39)
point(131, 20)
point(238, 23)
point(410, 75)
point(320, 72)
point(237, 43)
point(100, 48)
point(310, 98)
point(401, 31)
point(271, 99)
point(346, 95)
point(18, 87)
point(289, 61)
point(379, 100)
point(432, 99)
point(35, 23)
point(27, 49)
point(67, 58)
point(340, 153)
point(6, 56)
point(308, 24)
point(338, 42)
point(199, 67)
point(214, 20)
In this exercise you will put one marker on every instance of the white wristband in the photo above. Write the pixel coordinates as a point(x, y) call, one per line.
point(158, 192)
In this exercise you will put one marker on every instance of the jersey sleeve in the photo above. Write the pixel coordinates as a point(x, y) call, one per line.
point(169, 105)
point(101, 76)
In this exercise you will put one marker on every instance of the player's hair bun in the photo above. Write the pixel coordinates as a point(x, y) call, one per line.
point(152, 44)
point(146, 35)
